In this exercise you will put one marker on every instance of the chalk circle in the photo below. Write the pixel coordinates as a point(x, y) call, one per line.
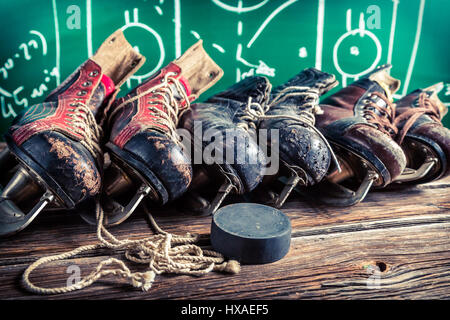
point(362, 32)
point(160, 44)
point(239, 9)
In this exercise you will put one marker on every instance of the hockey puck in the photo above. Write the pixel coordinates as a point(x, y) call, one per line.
point(251, 233)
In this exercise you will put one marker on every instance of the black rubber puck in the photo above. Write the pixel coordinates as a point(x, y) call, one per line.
point(251, 233)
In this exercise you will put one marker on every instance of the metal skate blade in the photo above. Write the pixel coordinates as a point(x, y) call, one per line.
point(409, 174)
point(290, 184)
point(334, 194)
point(20, 189)
point(224, 190)
point(118, 184)
point(422, 161)
point(120, 213)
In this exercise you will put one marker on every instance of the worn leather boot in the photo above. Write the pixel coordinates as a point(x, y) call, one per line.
point(147, 156)
point(423, 138)
point(358, 122)
point(304, 153)
point(222, 125)
point(58, 143)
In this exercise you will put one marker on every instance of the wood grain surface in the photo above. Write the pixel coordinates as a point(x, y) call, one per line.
point(394, 245)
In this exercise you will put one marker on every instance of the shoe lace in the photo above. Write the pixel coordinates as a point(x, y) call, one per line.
point(162, 252)
point(410, 116)
point(84, 123)
point(169, 116)
point(382, 116)
point(255, 112)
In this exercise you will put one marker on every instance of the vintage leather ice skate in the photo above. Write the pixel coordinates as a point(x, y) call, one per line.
point(58, 143)
point(358, 122)
point(147, 156)
point(423, 138)
point(305, 155)
point(239, 164)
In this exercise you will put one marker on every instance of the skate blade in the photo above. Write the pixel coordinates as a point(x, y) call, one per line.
point(21, 188)
point(409, 175)
point(296, 176)
point(334, 194)
point(119, 184)
point(330, 191)
point(197, 203)
point(429, 166)
point(202, 207)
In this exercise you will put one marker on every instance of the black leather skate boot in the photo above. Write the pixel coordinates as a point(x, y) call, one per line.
point(225, 149)
point(58, 143)
point(423, 138)
point(146, 152)
point(304, 153)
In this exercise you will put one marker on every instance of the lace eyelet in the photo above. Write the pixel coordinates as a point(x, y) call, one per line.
point(87, 84)
point(93, 73)
point(81, 93)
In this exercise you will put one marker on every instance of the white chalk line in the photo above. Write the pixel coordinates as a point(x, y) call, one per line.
point(391, 36)
point(55, 19)
point(215, 45)
point(268, 19)
point(239, 8)
point(415, 47)
point(177, 20)
point(319, 40)
point(89, 27)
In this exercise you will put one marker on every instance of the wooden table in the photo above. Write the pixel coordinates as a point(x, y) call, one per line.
point(396, 244)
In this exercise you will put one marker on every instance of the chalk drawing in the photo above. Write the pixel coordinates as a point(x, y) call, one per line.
point(89, 27)
point(319, 37)
point(239, 8)
point(354, 34)
point(415, 47)
point(57, 47)
point(18, 95)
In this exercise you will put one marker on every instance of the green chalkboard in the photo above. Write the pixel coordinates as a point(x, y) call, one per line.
point(45, 40)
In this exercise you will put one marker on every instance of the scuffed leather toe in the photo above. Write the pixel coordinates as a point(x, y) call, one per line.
point(164, 158)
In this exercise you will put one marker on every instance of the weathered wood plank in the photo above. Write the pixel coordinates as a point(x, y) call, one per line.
point(417, 260)
point(53, 232)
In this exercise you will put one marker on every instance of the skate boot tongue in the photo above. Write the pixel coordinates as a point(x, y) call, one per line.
point(380, 76)
point(198, 71)
point(432, 92)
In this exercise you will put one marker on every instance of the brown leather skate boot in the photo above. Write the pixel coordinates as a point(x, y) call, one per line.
point(146, 152)
point(423, 138)
point(58, 143)
point(358, 122)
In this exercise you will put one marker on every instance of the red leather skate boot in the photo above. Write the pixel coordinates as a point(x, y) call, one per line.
point(146, 152)
point(423, 138)
point(58, 143)
point(358, 122)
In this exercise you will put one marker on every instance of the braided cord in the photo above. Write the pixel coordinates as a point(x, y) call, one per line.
point(163, 252)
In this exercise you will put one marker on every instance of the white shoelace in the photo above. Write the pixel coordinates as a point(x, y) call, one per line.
point(169, 118)
point(255, 112)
